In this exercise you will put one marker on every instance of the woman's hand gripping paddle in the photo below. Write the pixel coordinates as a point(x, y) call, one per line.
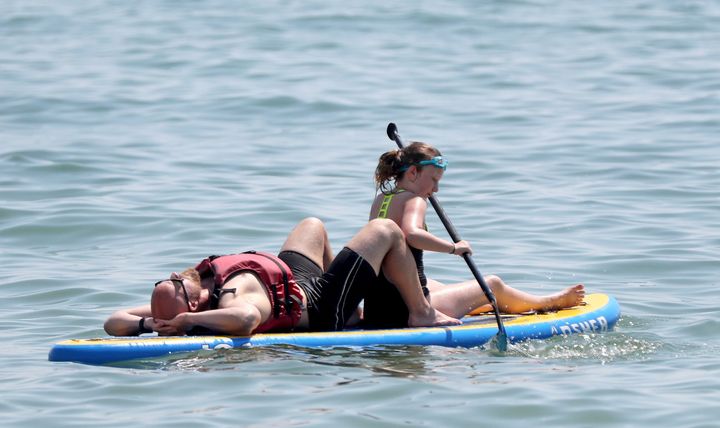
point(501, 338)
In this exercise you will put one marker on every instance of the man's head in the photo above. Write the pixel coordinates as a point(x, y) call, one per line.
point(175, 295)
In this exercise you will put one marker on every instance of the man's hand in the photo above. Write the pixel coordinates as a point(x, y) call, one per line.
point(177, 326)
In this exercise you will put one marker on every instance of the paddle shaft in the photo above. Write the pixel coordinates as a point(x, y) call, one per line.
point(395, 136)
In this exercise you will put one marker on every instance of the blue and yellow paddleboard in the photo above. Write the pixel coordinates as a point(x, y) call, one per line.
point(599, 314)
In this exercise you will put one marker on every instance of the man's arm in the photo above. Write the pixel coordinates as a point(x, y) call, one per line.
point(238, 320)
point(127, 322)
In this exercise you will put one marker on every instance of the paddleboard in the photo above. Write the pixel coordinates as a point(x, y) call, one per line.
point(599, 313)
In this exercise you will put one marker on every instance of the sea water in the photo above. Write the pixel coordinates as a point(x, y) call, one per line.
point(138, 137)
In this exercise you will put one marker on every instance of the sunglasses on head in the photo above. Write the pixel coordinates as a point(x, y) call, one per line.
point(181, 283)
point(437, 162)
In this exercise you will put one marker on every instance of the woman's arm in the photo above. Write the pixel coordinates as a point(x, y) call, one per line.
point(413, 226)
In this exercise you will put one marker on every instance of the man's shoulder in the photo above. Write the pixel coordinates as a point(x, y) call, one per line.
point(244, 288)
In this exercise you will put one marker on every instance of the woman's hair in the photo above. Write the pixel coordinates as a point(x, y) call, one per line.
point(393, 164)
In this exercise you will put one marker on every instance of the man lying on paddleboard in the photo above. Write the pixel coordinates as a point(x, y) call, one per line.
point(252, 292)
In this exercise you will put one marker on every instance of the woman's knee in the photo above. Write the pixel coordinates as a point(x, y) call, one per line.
point(494, 282)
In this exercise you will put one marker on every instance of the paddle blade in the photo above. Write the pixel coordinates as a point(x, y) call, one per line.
point(501, 341)
point(391, 131)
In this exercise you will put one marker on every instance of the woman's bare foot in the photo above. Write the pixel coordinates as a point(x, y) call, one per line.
point(569, 297)
point(431, 318)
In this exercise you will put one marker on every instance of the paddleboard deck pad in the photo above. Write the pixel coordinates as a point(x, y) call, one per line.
point(599, 314)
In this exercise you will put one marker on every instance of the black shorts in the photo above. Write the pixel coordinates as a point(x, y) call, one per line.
point(302, 267)
point(384, 306)
point(333, 296)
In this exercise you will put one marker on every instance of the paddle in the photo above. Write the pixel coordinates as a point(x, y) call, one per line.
point(501, 338)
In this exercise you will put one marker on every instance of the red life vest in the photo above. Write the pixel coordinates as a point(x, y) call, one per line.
point(276, 276)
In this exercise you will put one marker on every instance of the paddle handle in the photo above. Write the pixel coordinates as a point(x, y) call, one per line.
point(455, 236)
point(466, 256)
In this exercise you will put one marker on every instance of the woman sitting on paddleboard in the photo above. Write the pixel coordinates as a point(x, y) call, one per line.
point(405, 179)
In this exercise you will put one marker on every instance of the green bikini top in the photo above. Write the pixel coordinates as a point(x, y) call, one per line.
point(383, 211)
